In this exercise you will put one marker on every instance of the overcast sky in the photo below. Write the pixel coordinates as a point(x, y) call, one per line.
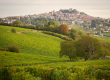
point(96, 8)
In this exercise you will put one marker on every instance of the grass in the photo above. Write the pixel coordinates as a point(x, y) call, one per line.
point(106, 34)
point(19, 59)
point(30, 43)
point(35, 47)
point(106, 39)
point(40, 57)
point(79, 63)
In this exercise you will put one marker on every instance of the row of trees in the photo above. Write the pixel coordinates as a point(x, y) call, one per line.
point(52, 26)
point(44, 24)
point(86, 47)
point(95, 23)
point(18, 23)
point(25, 20)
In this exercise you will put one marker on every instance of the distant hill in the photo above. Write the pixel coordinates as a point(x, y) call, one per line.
point(67, 16)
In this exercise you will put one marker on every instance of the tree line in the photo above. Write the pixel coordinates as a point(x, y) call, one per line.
point(86, 47)
point(52, 26)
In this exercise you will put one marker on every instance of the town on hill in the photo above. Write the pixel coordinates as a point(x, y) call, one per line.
point(63, 14)
point(59, 45)
point(71, 17)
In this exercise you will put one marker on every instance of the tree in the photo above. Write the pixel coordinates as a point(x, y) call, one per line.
point(88, 33)
point(27, 22)
point(87, 47)
point(50, 28)
point(25, 26)
point(63, 29)
point(22, 19)
point(93, 24)
point(51, 23)
point(75, 11)
point(31, 18)
point(37, 23)
point(74, 30)
point(59, 20)
point(81, 32)
point(72, 35)
point(68, 49)
point(57, 23)
point(57, 29)
point(7, 20)
point(106, 48)
point(44, 21)
point(0, 19)
point(17, 23)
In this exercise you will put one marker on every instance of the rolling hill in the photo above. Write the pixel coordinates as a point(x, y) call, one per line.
point(30, 42)
point(36, 47)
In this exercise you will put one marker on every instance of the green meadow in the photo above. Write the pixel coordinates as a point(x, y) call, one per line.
point(105, 39)
point(36, 47)
point(39, 58)
point(22, 59)
point(30, 42)
point(107, 34)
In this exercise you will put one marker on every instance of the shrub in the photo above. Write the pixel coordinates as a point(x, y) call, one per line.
point(14, 48)
point(66, 38)
point(102, 74)
point(5, 74)
point(17, 23)
point(72, 35)
point(13, 30)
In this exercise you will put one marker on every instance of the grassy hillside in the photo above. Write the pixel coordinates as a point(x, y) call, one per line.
point(19, 59)
point(79, 70)
point(30, 42)
point(80, 63)
point(106, 39)
point(39, 59)
point(106, 34)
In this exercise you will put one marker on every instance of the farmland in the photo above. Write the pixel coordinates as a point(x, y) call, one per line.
point(31, 42)
point(105, 39)
point(78, 70)
point(39, 58)
point(13, 59)
point(106, 34)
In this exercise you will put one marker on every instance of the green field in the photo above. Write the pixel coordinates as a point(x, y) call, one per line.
point(106, 34)
point(106, 39)
point(35, 47)
point(19, 59)
point(30, 42)
point(78, 70)
point(39, 58)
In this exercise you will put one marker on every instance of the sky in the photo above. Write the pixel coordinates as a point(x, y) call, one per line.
point(96, 8)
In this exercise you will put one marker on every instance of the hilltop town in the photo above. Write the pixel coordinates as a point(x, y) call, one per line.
point(71, 17)
point(62, 15)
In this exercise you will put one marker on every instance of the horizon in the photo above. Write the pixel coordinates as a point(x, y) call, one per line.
point(99, 8)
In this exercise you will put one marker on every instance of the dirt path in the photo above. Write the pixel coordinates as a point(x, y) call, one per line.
point(36, 31)
point(20, 33)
